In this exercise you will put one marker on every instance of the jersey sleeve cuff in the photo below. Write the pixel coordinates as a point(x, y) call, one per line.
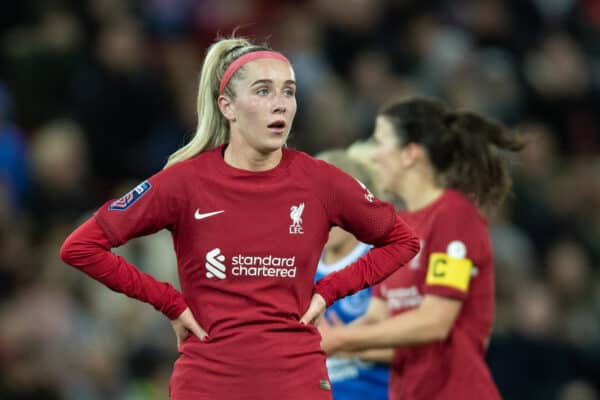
point(175, 306)
point(326, 292)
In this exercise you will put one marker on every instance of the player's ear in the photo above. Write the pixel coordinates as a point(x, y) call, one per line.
point(226, 107)
point(410, 154)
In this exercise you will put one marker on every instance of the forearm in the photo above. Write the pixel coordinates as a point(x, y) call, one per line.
point(363, 320)
point(407, 329)
point(88, 249)
point(383, 356)
point(373, 315)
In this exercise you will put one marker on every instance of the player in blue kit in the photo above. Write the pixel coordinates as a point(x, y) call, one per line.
point(351, 378)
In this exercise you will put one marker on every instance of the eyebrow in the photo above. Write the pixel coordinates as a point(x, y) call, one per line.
point(270, 81)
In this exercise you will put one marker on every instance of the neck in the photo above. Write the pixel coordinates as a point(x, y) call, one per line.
point(419, 191)
point(249, 159)
point(334, 254)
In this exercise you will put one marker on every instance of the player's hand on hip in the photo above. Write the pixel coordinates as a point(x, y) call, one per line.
point(315, 310)
point(184, 324)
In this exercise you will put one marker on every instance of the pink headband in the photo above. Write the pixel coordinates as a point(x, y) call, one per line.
point(246, 58)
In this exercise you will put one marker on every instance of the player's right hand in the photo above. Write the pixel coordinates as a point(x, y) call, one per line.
point(184, 324)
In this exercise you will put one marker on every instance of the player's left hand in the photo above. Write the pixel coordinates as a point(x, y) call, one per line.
point(186, 324)
point(315, 310)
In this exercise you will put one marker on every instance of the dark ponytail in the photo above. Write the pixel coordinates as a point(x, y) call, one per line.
point(467, 151)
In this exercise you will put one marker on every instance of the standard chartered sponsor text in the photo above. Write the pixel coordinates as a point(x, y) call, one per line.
point(267, 266)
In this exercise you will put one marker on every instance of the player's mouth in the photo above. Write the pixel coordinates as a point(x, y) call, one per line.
point(277, 126)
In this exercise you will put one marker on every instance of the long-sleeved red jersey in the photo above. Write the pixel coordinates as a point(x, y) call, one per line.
point(455, 261)
point(247, 246)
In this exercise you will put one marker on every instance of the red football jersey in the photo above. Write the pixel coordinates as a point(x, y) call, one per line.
point(455, 261)
point(247, 245)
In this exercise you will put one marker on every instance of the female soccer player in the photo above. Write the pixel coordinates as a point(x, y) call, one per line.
point(248, 218)
point(447, 166)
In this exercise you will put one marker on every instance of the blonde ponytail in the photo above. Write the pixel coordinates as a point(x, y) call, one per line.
point(213, 128)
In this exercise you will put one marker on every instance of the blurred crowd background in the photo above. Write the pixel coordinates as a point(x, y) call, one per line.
point(95, 94)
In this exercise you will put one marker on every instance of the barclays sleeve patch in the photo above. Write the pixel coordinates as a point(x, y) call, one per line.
point(134, 195)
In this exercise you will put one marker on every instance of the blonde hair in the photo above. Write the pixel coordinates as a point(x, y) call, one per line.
point(213, 128)
point(362, 151)
point(353, 162)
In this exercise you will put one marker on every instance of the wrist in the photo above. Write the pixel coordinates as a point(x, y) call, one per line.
point(320, 300)
point(347, 339)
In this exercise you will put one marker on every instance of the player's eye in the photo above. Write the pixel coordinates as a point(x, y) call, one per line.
point(263, 91)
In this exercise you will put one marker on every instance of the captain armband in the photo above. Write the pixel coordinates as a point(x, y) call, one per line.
point(448, 271)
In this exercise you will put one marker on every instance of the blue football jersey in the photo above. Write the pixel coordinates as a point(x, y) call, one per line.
point(353, 379)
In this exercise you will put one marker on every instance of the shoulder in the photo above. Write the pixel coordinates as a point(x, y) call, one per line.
point(183, 169)
point(458, 207)
point(203, 158)
point(311, 172)
point(318, 171)
point(458, 218)
point(175, 180)
point(302, 160)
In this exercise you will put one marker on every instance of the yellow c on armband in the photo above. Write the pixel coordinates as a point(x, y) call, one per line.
point(448, 271)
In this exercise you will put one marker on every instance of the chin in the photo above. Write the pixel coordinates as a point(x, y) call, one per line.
point(274, 144)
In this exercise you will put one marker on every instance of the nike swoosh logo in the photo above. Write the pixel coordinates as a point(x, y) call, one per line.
point(197, 214)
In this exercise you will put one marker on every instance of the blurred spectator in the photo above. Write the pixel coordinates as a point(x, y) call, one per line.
point(558, 68)
point(149, 371)
point(588, 213)
point(14, 179)
point(180, 63)
point(350, 27)
point(559, 75)
point(515, 262)
point(118, 98)
point(16, 258)
point(537, 167)
point(486, 81)
point(570, 276)
point(60, 164)
point(42, 58)
point(579, 390)
point(167, 19)
point(491, 20)
point(530, 363)
point(301, 40)
point(326, 123)
point(512, 246)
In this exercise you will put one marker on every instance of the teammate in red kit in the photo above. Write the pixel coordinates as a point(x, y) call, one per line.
point(249, 218)
point(447, 167)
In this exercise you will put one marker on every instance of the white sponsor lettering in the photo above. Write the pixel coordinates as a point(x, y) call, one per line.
point(401, 298)
point(264, 266)
point(255, 266)
point(340, 369)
